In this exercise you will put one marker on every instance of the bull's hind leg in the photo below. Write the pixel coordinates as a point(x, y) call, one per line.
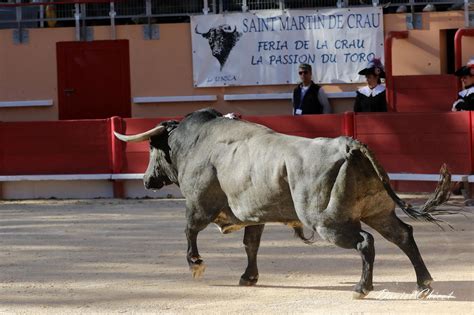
point(252, 236)
point(350, 235)
point(365, 247)
point(401, 234)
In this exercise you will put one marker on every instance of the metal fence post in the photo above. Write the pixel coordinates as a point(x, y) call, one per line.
point(112, 15)
point(468, 13)
point(412, 6)
point(148, 9)
point(340, 4)
point(77, 16)
point(205, 8)
point(83, 24)
point(281, 4)
point(18, 21)
point(150, 31)
point(41, 14)
point(245, 8)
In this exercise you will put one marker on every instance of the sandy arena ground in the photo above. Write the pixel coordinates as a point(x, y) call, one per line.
point(128, 256)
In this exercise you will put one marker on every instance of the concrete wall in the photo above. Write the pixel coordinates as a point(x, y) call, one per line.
point(164, 68)
point(80, 189)
point(423, 51)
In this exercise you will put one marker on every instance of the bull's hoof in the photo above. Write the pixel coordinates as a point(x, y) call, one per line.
point(424, 290)
point(197, 270)
point(248, 281)
point(358, 295)
point(423, 294)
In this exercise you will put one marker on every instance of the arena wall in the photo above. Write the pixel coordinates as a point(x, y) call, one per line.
point(81, 159)
point(164, 68)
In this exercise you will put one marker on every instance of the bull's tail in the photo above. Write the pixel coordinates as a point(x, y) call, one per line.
point(428, 210)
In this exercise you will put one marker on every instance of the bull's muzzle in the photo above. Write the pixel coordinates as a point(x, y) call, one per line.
point(151, 182)
point(154, 183)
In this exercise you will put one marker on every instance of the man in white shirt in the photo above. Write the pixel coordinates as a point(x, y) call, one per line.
point(308, 97)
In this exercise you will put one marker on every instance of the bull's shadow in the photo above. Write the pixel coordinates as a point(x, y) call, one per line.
point(462, 291)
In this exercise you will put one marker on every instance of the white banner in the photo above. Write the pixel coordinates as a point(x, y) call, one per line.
point(266, 47)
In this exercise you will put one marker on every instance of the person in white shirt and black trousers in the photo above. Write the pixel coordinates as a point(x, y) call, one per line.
point(372, 98)
point(308, 97)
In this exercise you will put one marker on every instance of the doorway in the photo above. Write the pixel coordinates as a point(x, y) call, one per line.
point(93, 79)
point(447, 57)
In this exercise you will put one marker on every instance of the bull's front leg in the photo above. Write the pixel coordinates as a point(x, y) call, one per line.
point(252, 236)
point(196, 264)
point(198, 218)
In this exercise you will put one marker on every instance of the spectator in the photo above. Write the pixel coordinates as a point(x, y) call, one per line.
point(465, 100)
point(371, 98)
point(308, 97)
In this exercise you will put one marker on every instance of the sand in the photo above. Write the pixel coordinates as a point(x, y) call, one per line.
point(128, 256)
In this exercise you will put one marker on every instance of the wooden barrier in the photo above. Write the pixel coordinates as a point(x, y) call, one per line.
point(55, 147)
point(424, 93)
point(415, 143)
point(418, 142)
point(310, 126)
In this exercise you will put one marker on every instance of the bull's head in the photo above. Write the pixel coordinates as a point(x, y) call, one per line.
point(160, 171)
point(221, 41)
point(221, 29)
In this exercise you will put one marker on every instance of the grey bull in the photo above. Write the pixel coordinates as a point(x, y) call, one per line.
point(240, 174)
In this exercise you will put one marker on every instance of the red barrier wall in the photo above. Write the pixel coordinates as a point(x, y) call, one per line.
point(402, 142)
point(424, 93)
point(55, 147)
point(418, 143)
point(310, 126)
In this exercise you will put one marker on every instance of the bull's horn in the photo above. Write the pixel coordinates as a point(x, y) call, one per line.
point(144, 136)
point(196, 30)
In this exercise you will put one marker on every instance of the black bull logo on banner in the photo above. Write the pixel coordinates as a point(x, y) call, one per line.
point(221, 41)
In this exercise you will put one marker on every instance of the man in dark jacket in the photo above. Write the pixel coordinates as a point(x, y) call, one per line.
point(465, 99)
point(308, 97)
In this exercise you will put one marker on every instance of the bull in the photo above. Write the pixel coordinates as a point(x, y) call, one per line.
point(221, 41)
point(239, 174)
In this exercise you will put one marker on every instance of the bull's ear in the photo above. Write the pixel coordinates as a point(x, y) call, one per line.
point(170, 125)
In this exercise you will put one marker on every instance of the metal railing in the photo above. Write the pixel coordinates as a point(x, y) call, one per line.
point(42, 13)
